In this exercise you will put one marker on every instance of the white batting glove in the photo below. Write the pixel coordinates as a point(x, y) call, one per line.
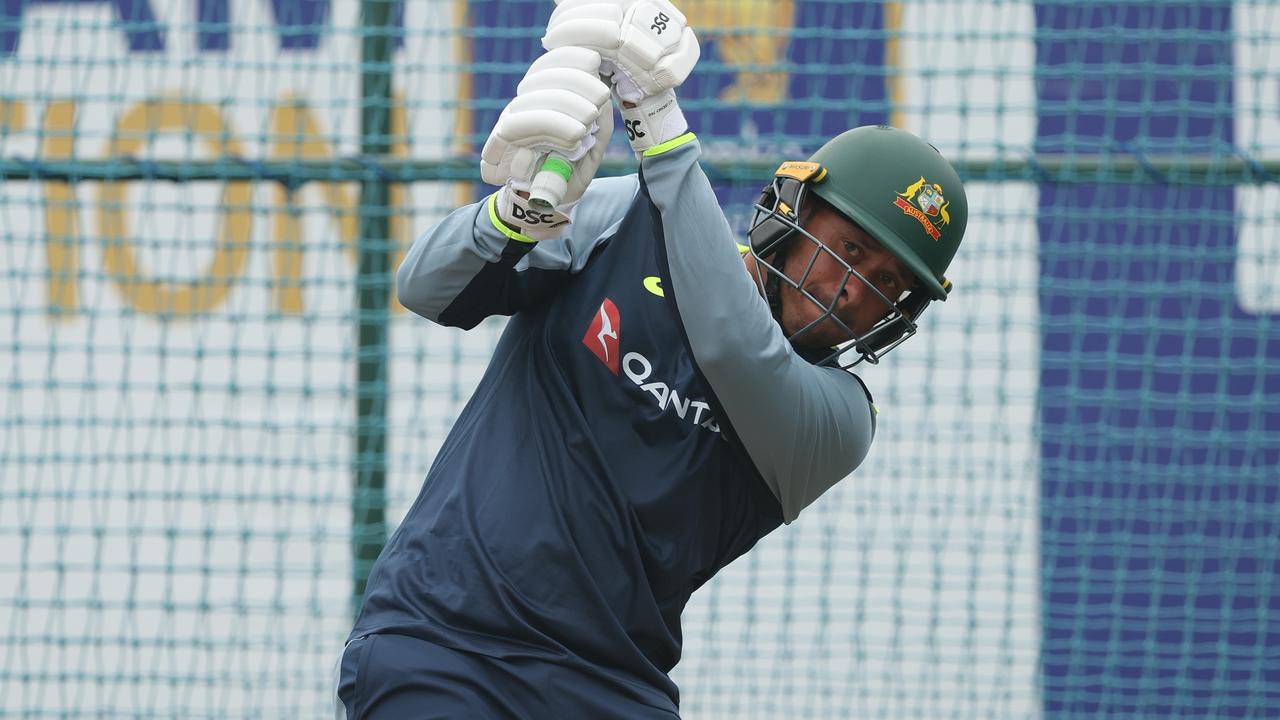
point(647, 44)
point(561, 107)
point(646, 48)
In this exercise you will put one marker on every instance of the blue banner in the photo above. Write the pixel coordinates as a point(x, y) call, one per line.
point(1159, 396)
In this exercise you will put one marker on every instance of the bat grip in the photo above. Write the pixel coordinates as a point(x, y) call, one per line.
point(551, 183)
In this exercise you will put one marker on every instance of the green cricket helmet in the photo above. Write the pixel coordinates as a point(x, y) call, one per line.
point(897, 188)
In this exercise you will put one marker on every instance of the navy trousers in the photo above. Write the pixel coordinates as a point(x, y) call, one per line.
point(396, 677)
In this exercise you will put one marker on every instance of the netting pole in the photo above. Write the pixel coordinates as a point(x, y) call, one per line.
point(373, 301)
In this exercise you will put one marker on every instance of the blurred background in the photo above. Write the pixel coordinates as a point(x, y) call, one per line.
point(214, 410)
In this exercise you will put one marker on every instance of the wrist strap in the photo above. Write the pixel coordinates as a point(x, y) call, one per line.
point(533, 223)
point(653, 121)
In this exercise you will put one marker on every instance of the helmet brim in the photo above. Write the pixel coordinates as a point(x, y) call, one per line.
point(891, 242)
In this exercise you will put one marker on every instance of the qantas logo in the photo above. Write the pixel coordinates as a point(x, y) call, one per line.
point(602, 340)
point(602, 335)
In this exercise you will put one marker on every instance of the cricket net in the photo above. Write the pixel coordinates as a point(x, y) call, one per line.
point(214, 411)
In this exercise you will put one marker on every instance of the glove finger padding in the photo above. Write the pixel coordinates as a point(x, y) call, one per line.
point(649, 42)
point(568, 10)
point(557, 108)
point(579, 58)
point(586, 23)
point(561, 106)
point(537, 125)
point(668, 71)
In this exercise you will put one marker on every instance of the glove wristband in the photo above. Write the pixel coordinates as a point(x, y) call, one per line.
point(653, 121)
point(531, 223)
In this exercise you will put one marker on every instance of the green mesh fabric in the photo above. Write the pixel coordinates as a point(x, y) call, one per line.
point(206, 425)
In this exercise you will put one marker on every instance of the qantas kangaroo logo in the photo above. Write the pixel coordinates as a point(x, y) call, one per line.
point(602, 336)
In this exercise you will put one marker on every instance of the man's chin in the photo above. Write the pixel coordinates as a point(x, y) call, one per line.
point(820, 337)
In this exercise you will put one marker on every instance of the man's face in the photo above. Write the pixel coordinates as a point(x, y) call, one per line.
point(857, 305)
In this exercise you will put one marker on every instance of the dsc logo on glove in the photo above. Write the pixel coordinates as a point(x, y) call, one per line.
point(660, 23)
point(529, 217)
point(633, 128)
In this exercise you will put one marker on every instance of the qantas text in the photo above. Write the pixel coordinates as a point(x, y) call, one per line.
point(638, 368)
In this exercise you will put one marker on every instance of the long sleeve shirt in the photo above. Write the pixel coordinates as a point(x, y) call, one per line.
point(642, 423)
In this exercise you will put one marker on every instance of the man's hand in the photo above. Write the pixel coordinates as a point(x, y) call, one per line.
point(646, 50)
point(647, 44)
point(562, 107)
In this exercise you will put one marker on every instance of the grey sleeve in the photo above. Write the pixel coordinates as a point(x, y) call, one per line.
point(469, 265)
point(804, 427)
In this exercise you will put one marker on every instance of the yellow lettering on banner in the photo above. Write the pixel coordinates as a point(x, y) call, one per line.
point(13, 115)
point(134, 129)
point(296, 136)
point(61, 225)
point(750, 34)
point(895, 84)
point(57, 131)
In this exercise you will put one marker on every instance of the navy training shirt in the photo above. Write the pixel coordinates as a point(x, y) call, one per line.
point(624, 443)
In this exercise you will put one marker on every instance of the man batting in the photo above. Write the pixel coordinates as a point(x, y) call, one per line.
point(661, 398)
